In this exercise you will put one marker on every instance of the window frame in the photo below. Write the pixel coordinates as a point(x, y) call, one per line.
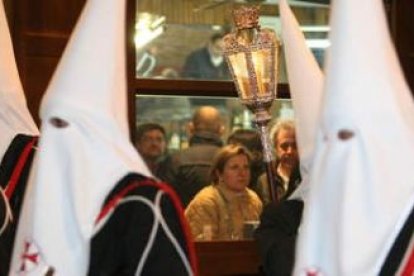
point(170, 87)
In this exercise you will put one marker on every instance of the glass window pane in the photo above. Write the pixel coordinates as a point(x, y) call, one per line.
point(175, 112)
point(180, 39)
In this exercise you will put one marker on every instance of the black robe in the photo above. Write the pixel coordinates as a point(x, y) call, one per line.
point(14, 171)
point(276, 236)
point(401, 252)
point(127, 223)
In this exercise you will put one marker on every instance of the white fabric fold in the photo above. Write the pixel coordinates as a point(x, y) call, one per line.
point(79, 164)
point(362, 187)
point(306, 85)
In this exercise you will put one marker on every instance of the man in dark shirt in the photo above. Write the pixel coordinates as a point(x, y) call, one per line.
point(151, 144)
point(207, 62)
point(188, 170)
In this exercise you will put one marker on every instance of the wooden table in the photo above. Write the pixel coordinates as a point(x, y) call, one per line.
point(228, 258)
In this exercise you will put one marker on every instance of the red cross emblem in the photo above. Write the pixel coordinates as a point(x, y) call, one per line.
point(30, 257)
point(313, 272)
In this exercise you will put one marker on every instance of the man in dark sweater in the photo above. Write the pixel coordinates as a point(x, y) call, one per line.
point(207, 62)
point(188, 170)
point(151, 144)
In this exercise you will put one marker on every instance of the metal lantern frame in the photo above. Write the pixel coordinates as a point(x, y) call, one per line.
point(258, 95)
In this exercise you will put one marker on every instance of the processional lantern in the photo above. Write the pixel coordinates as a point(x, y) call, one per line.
point(252, 54)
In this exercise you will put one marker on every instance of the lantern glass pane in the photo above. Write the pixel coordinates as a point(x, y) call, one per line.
point(241, 75)
point(263, 69)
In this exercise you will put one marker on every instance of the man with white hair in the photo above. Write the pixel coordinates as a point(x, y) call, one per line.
point(286, 168)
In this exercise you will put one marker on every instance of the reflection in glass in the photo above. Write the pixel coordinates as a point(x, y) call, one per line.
point(208, 61)
point(168, 33)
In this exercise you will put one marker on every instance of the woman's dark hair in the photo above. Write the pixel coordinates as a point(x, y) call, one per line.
point(246, 137)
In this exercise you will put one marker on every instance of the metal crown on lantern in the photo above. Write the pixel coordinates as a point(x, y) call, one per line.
point(252, 54)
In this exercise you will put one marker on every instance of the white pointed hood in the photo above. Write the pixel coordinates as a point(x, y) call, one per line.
point(14, 115)
point(362, 181)
point(306, 84)
point(79, 164)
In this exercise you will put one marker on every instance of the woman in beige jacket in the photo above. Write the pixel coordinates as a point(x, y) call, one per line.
point(219, 211)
